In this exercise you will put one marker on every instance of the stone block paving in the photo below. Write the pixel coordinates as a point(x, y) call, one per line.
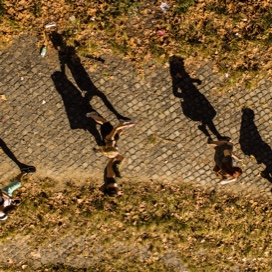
point(43, 122)
point(165, 145)
point(78, 254)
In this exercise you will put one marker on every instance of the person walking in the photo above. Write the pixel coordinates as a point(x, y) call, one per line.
point(110, 134)
point(110, 186)
point(6, 199)
point(224, 156)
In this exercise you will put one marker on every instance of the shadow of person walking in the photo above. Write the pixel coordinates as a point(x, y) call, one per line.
point(76, 105)
point(194, 104)
point(69, 58)
point(252, 144)
point(23, 167)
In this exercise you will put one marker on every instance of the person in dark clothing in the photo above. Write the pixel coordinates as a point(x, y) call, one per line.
point(224, 167)
point(110, 186)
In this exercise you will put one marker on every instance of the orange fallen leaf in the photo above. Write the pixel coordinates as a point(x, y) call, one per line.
point(3, 97)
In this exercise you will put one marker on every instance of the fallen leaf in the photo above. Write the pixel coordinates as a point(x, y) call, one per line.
point(3, 97)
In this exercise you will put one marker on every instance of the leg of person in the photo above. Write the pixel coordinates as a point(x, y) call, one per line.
point(97, 119)
point(217, 143)
point(111, 185)
point(110, 172)
point(108, 176)
point(213, 129)
point(203, 128)
point(115, 130)
point(13, 185)
point(125, 121)
point(117, 165)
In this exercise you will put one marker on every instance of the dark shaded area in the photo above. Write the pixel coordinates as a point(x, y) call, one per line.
point(77, 98)
point(194, 104)
point(9, 153)
point(252, 144)
point(76, 105)
point(69, 58)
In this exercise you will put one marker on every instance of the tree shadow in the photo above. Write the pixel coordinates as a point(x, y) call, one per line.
point(252, 144)
point(195, 105)
point(10, 154)
point(69, 58)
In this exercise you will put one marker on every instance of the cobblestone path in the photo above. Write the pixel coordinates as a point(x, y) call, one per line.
point(43, 119)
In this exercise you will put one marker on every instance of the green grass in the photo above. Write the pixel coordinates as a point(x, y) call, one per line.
point(182, 6)
point(2, 9)
point(130, 28)
point(203, 230)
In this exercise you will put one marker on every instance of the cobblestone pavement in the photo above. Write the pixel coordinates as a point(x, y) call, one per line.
point(78, 254)
point(44, 124)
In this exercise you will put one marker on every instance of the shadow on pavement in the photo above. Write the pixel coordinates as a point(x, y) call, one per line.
point(9, 153)
point(76, 105)
point(194, 104)
point(252, 144)
point(69, 58)
point(77, 98)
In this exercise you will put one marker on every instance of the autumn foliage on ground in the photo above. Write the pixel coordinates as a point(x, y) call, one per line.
point(206, 231)
point(236, 35)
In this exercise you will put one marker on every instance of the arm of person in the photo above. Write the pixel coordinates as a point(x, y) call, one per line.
point(115, 130)
point(236, 158)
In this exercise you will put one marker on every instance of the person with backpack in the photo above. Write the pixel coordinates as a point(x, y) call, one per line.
point(6, 200)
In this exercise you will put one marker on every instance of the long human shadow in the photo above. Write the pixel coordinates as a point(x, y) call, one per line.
point(252, 143)
point(76, 105)
point(11, 155)
point(195, 105)
point(69, 58)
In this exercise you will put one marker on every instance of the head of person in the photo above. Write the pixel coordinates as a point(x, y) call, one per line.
point(237, 171)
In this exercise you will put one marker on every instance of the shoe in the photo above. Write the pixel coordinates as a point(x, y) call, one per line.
point(227, 139)
point(27, 170)
point(3, 217)
point(125, 121)
point(91, 113)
